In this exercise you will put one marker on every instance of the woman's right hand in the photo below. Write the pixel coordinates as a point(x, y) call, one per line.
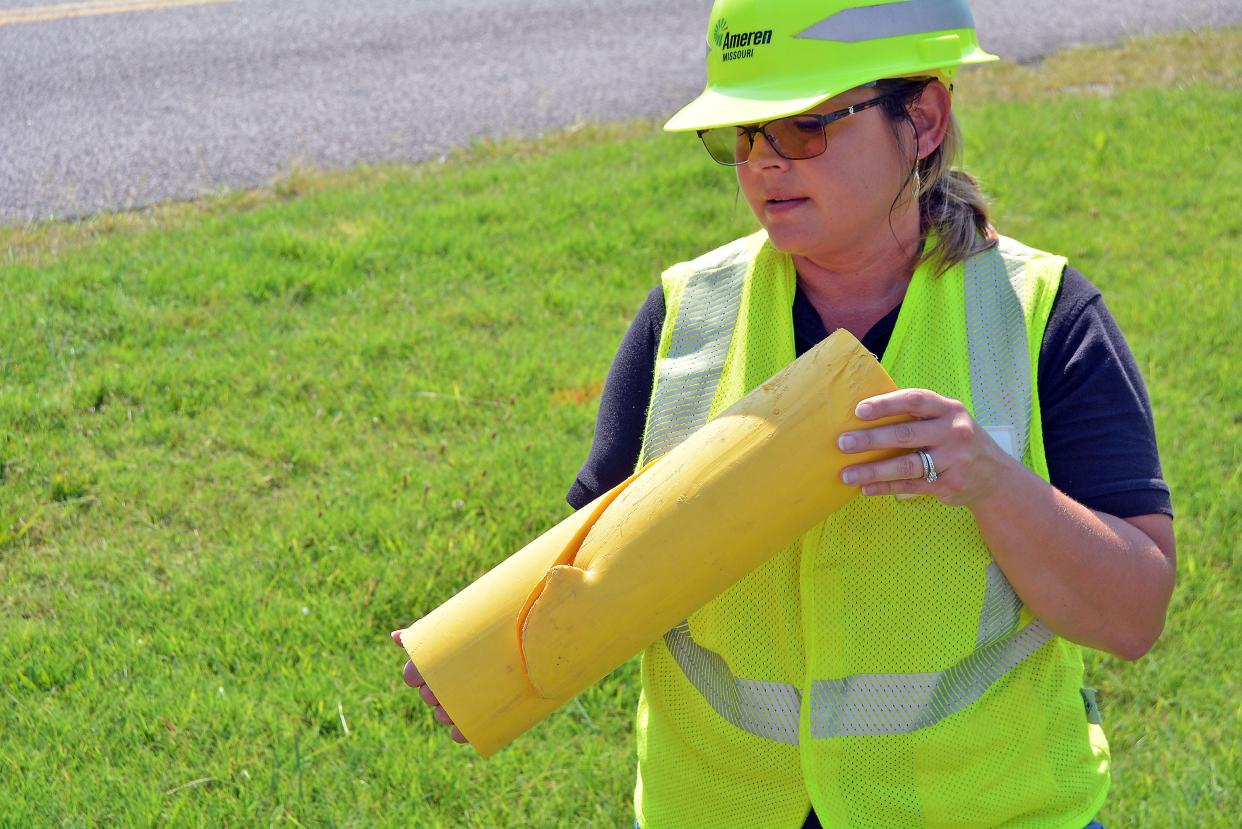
point(415, 680)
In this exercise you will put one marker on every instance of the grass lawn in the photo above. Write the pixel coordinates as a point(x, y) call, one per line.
point(242, 439)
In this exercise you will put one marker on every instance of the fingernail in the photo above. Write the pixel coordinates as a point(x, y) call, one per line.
point(850, 477)
point(846, 442)
point(396, 636)
point(863, 410)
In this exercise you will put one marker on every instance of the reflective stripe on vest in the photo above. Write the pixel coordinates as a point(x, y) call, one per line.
point(866, 703)
point(689, 374)
point(765, 709)
point(1000, 369)
point(861, 704)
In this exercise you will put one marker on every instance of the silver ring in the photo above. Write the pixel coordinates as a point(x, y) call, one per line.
point(929, 466)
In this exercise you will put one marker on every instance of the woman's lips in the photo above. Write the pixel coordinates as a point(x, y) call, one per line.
point(784, 205)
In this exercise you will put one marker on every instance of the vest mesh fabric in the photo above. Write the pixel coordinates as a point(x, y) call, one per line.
point(768, 788)
point(883, 602)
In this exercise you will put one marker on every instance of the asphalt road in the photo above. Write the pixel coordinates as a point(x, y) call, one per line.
point(167, 99)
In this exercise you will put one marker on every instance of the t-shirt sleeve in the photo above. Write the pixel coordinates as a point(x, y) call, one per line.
point(623, 405)
point(1099, 435)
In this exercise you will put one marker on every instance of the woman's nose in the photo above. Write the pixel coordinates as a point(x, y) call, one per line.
point(761, 151)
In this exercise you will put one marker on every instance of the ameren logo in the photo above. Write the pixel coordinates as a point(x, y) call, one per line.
point(736, 46)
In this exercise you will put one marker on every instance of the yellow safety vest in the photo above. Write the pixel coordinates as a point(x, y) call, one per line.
point(882, 668)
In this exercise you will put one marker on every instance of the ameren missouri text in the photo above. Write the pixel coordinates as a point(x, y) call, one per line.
point(744, 39)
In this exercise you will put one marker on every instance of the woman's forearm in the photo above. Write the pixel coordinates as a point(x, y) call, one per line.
point(1093, 578)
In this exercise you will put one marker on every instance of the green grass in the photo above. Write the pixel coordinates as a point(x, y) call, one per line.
point(242, 439)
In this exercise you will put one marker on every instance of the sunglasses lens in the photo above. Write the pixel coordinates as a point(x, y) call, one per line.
point(796, 137)
point(726, 145)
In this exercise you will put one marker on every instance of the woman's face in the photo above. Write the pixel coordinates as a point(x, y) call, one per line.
point(831, 206)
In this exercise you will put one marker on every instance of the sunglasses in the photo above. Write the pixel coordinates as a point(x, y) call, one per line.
point(795, 137)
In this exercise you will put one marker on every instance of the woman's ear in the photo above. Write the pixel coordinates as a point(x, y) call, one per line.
point(930, 114)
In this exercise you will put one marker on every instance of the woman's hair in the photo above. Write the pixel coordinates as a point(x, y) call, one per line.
point(950, 201)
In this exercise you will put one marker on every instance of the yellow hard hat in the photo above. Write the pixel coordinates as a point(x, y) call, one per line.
point(772, 58)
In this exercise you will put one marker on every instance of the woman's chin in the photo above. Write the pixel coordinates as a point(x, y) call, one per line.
point(792, 241)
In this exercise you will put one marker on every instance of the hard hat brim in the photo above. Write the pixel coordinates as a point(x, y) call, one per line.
point(716, 107)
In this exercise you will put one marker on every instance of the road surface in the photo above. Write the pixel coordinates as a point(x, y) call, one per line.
point(108, 104)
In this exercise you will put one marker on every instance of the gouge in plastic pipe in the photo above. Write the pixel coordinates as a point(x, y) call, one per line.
point(575, 603)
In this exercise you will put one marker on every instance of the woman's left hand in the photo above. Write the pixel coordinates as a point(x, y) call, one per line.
point(970, 466)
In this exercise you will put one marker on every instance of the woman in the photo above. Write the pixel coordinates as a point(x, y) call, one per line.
point(920, 657)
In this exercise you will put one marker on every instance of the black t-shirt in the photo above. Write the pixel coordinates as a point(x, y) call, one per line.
point(1099, 438)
